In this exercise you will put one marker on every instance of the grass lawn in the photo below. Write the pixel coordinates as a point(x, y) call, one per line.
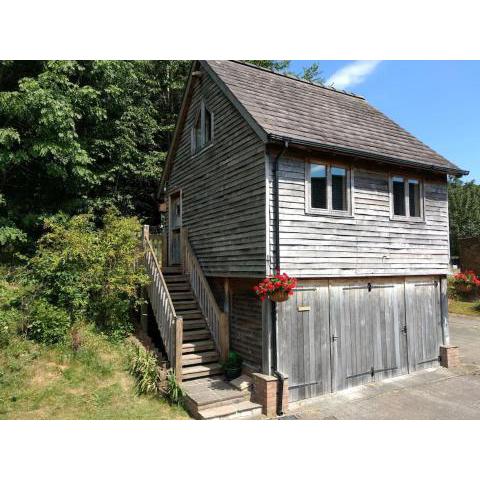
point(40, 382)
point(464, 308)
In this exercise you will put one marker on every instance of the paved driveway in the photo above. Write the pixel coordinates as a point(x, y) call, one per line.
point(430, 394)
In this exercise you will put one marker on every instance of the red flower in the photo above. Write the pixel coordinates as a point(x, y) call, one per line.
point(280, 282)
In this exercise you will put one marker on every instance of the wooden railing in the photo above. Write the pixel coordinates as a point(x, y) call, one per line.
point(216, 319)
point(169, 324)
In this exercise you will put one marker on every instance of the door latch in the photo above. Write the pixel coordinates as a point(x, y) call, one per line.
point(334, 338)
point(404, 329)
point(369, 286)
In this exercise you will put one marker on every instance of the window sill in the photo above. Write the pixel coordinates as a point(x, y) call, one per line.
point(407, 219)
point(202, 150)
point(328, 213)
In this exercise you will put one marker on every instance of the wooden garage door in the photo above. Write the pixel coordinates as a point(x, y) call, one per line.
point(368, 332)
point(422, 297)
point(304, 343)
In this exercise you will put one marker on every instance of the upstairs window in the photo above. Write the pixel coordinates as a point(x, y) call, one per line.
point(328, 189)
point(202, 130)
point(407, 198)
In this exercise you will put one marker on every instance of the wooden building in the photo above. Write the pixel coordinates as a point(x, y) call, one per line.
point(268, 171)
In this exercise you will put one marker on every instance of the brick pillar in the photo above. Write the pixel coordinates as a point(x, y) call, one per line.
point(265, 392)
point(449, 356)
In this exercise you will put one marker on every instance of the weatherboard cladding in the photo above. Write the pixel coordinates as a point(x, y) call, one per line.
point(223, 188)
point(284, 107)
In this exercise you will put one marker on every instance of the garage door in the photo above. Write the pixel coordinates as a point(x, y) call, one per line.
point(422, 297)
point(304, 342)
point(368, 332)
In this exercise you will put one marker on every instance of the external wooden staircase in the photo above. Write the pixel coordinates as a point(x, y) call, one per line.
point(199, 354)
point(194, 331)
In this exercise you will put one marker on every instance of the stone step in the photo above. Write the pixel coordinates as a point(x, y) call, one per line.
point(202, 334)
point(199, 371)
point(199, 358)
point(199, 346)
point(194, 324)
point(232, 410)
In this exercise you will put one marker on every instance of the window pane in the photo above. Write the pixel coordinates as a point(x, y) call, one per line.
point(208, 126)
point(318, 182)
point(414, 197)
point(339, 188)
point(398, 196)
point(198, 133)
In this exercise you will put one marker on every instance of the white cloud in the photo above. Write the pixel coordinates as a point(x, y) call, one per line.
point(352, 74)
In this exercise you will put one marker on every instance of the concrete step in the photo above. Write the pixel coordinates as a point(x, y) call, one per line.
point(199, 371)
point(202, 334)
point(197, 346)
point(199, 358)
point(232, 410)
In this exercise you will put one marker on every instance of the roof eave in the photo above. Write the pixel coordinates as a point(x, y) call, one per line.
point(272, 138)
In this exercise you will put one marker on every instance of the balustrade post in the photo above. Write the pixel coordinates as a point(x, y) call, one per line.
point(146, 233)
point(224, 337)
point(178, 348)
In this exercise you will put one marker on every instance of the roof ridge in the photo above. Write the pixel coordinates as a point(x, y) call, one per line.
point(291, 77)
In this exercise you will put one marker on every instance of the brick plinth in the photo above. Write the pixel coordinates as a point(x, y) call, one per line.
point(449, 356)
point(265, 392)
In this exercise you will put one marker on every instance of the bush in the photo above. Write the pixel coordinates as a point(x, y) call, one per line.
point(48, 323)
point(464, 285)
point(87, 271)
point(174, 391)
point(143, 366)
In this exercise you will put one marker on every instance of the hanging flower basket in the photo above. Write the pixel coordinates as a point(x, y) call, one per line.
point(279, 296)
point(276, 288)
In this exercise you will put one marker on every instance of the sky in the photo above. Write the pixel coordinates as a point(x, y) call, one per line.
point(437, 101)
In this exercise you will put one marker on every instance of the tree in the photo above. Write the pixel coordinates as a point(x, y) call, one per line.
point(464, 211)
point(84, 135)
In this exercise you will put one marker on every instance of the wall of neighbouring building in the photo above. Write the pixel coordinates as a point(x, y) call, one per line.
point(469, 249)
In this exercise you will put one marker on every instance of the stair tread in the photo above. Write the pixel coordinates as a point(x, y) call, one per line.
point(196, 334)
point(190, 359)
point(229, 409)
point(201, 368)
point(198, 346)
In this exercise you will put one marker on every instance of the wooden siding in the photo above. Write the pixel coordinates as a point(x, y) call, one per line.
point(369, 242)
point(246, 323)
point(223, 189)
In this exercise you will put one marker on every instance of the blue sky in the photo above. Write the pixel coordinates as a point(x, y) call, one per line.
point(437, 101)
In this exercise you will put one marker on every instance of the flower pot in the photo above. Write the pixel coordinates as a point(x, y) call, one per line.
point(279, 296)
point(233, 372)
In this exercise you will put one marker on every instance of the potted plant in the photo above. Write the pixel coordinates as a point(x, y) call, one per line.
point(277, 287)
point(233, 365)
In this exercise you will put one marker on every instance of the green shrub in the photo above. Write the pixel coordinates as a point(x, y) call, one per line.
point(90, 271)
point(143, 366)
point(47, 323)
point(174, 391)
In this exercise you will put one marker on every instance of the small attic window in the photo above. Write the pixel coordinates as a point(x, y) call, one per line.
point(202, 131)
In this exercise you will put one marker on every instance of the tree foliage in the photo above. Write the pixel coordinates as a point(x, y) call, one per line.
point(83, 135)
point(464, 211)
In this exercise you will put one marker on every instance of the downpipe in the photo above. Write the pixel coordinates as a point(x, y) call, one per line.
point(276, 219)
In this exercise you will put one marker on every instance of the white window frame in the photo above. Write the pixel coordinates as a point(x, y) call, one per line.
point(329, 211)
point(407, 217)
point(203, 144)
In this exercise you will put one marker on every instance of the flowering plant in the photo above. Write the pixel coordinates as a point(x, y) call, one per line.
point(466, 282)
point(280, 283)
point(468, 277)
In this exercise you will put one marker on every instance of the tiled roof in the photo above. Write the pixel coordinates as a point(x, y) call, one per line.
point(288, 108)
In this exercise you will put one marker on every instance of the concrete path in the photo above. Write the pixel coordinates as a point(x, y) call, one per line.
point(433, 394)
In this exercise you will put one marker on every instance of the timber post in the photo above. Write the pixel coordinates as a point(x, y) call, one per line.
point(178, 348)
